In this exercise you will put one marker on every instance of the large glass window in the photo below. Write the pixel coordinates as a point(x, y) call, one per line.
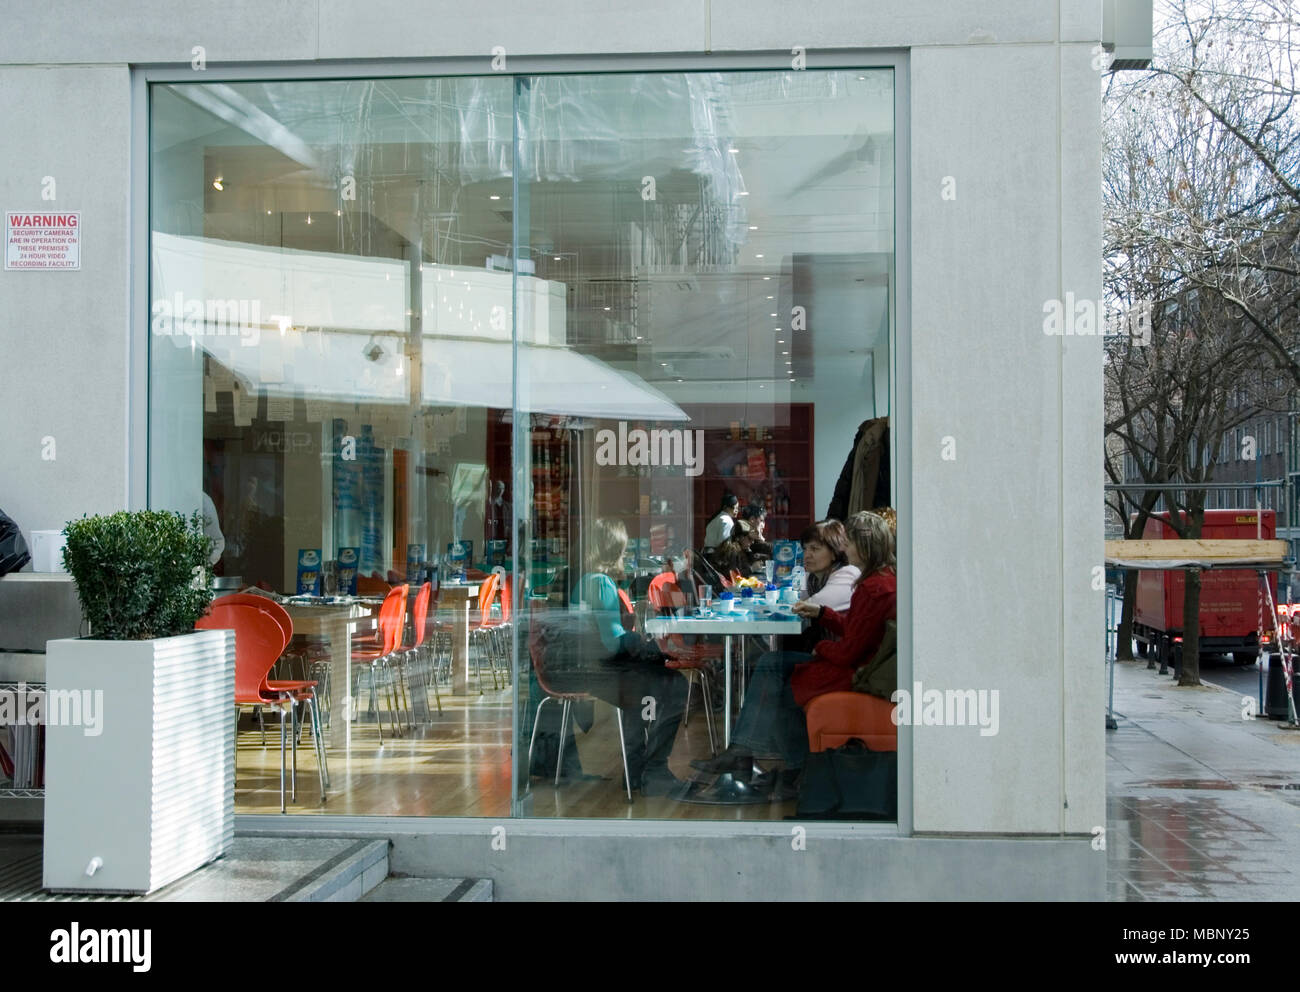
point(519, 342)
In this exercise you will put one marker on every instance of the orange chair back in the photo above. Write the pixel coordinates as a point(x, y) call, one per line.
point(487, 592)
point(629, 611)
point(392, 616)
point(420, 612)
point(665, 593)
point(507, 591)
point(258, 643)
point(266, 605)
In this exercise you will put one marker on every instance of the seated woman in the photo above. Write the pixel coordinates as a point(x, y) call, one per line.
point(623, 668)
point(771, 722)
point(735, 554)
point(830, 578)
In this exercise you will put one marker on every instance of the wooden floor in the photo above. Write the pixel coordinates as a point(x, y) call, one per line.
point(459, 765)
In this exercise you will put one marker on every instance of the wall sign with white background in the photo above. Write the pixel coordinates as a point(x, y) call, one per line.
point(42, 240)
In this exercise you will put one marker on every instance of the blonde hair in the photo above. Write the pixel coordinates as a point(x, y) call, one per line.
point(874, 540)
point(605, 546)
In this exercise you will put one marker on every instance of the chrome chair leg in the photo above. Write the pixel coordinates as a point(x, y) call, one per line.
point(686, 713)
point(374, 703)
point(622, 746)
point(310, 710)
point(707, 695)
point(293, 747)
point(433, 674)
point(564, 726)
point(533, 739)
point(281, 759)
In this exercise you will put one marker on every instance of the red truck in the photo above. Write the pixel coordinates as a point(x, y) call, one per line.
point(1230, 607)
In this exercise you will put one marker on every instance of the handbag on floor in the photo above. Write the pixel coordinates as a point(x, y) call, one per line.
point(849, 783)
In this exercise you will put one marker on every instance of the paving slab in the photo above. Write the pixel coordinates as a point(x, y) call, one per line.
point(1202, 803)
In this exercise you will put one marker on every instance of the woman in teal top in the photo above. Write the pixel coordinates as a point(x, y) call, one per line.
point(629, 668)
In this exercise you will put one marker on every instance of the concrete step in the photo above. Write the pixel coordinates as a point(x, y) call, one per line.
point(255, 869)
point(396, 889)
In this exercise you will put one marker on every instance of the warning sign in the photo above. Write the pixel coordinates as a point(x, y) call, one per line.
point(42, 241)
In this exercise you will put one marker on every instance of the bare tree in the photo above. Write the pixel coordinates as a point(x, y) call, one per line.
point(1201, 217)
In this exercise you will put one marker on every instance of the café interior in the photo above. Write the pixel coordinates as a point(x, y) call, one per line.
point(411, 338)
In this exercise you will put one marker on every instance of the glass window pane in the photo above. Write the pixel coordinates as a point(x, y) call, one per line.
point(715, 336)
point(329, 330)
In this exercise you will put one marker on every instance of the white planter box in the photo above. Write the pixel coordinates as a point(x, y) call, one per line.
point(151, 796)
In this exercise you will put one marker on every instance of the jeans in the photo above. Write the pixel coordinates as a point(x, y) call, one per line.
point(771, 723)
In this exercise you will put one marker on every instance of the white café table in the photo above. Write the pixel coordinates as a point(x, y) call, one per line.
point(728, 628)
point(335, 621)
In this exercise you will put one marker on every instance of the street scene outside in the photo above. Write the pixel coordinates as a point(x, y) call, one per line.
point(1201, 195)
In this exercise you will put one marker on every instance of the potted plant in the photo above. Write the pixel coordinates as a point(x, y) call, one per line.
point(140, 753)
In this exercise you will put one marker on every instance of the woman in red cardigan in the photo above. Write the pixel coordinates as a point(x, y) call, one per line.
point(771, 722)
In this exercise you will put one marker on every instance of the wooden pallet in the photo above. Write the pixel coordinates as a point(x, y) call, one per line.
point(1218, 553)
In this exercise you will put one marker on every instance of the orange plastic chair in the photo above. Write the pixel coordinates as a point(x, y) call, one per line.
point(692, 660)
point(498, 633)
point(416, 648)
point(392, 619)
point(259, 640)
point(483, 622)
point(835, 718)
point(304, 691)
point(566, 701)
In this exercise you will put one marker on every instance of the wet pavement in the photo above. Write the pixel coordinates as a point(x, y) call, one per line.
point(1201, 803)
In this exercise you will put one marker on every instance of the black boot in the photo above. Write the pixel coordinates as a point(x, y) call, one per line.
point(731, 761)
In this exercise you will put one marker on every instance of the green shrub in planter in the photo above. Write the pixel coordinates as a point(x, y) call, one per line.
point(140, 575)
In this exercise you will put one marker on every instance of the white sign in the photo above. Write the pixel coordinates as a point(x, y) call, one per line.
point(42, 240)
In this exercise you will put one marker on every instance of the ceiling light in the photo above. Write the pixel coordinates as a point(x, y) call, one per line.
point(734, 151)
point(216, 184)
point(753, 227)
point(785, 353)
point(759, 255)
point(557, 258)
point(607, 308)
point(771, 315)
point(309, 218)
point(780, 340)
point(638, 337)
point(743, 192)
point(268, 213)
point(771, 297)
point(765, 278)
point(338, 213)
point(494, 197)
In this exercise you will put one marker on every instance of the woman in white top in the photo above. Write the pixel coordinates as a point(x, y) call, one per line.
point(720, 527)
point(830, 576)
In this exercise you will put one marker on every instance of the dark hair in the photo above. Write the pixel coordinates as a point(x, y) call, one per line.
point(729, 499)
point(753, 511)
point(832, 534)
